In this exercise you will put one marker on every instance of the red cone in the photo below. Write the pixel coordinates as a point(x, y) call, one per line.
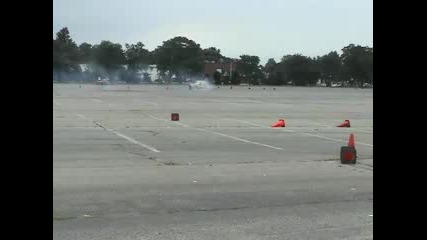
point(345, 124)
point(280, 123)
point(351, 142)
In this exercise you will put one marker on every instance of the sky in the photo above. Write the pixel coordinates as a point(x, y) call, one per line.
point(266, 28)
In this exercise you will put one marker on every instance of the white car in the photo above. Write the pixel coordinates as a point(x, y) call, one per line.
point(334, 85)
point(367, 85)
point(199, 84)
point(102, 81)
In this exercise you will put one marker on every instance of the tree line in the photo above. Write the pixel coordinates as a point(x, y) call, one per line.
point(180, 58)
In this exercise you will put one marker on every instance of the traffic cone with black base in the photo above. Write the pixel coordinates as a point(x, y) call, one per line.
point(348, 153)
point(346, 123)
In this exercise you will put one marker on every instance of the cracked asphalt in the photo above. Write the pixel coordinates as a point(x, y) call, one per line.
point(123, 170)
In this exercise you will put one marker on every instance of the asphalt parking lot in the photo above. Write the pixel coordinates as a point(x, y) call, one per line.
point(123, 170)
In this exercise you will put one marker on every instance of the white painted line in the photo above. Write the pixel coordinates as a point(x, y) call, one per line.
point(287, 130)
point(133, 141)
point(249, 123)
point(318, 136)
point(219, 134)
point(122, 135)
point(81, 116)
point(181, 124)
point(97, 100)
point(255, 101)
point(348, 129)
point(239, 139)
point(336, 140)
point(184, 125)
point(155, 118)
point(165, 120)
point(150, 103)
point(371, 215)
point(257, 125)
point(306, 134)
point(224, 102)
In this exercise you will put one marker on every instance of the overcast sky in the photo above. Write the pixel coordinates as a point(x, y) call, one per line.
point(266, 28)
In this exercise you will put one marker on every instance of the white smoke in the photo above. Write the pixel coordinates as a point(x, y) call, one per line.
point(201, 84)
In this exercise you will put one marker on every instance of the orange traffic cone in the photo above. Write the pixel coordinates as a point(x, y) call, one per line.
point(348, 153)
point(280, 123)
point(351, 142)
point(345, 124)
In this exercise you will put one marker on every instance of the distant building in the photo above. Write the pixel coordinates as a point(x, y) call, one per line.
point(223, 68)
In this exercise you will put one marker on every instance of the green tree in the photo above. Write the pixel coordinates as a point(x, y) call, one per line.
point(271, 76)
point(270, 65)
point(287, 57)
point(179, 55)
point(137, 57)
point(110, 56)
point(211, 55)
point(56, 55)
point(330, 65)
point(85, 50)
point(257, 76)
point(357, 64)
point(300, 70)
point(65, 55)
point(248, 66)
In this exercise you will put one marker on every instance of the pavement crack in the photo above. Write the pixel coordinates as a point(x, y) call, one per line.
point(364, 197)
point(99, 125)
point(154, 133)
